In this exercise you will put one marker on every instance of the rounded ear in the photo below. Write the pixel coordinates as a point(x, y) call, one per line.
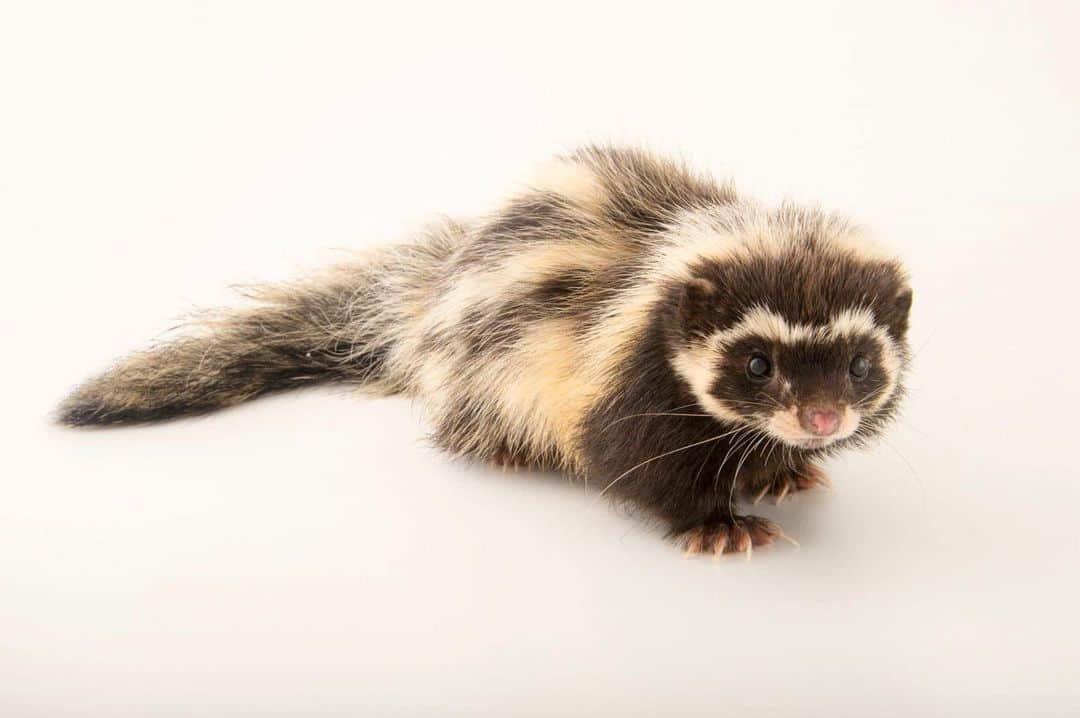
point(697, 296)
point(901, 309)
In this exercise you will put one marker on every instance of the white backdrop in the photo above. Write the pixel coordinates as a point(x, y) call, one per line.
point(308, 555)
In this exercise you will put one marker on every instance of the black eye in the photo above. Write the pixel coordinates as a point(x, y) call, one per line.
point(759, 367)
point(860, 367)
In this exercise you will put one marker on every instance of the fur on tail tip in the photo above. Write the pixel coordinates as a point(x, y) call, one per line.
point(78, 412)
point(342, 324)
point(294, 336)
point(129, 395)
point(90, 405)
point(195, 376)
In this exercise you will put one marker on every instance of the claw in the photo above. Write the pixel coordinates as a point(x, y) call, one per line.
point(719, 546)
point(790, 540)
point(743, 542)
point(738, 535)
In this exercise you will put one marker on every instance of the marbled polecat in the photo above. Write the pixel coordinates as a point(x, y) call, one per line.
point(622, 319)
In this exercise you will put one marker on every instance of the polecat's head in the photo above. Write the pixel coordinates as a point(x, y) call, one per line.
point(799, 331)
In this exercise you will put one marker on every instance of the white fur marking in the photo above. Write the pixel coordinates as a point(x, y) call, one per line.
point(696, 365)
point(762, 322)
point(785, 425)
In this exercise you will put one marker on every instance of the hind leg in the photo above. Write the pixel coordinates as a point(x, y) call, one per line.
point(462, 432)
point(504, 457)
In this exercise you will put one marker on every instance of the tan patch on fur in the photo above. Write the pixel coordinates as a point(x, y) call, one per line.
point(549, 395)
point(863, 245)
point(569, 179)
point(480, 287)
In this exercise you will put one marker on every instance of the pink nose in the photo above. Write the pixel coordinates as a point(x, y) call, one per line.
point(820, 422)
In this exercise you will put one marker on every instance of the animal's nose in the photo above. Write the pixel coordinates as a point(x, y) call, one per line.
point(820, 421)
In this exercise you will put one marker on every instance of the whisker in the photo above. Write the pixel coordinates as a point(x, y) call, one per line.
point(672, 410)
point(911, 468)
point(751, 404)
point(922, 346)
point(735, 479)
point(772, 400)
point(864, 401)
point(655, 413)
point(735, 444)
point(632, 469)
point(914, 428)
point(773, 443)
point(697, 476)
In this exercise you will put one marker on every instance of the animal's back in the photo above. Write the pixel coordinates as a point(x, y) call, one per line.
point(540, 298)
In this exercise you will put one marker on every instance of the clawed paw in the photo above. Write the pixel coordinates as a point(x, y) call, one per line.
point(788, 481)
point(504, 460)
point(739, 534)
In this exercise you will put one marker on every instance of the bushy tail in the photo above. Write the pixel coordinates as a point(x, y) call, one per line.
point(291, 336)
point(340, 326)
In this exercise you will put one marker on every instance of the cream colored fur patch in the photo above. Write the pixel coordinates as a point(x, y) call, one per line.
point(569, 179)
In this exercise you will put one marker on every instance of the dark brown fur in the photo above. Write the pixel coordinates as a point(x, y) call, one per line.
point(526, 336)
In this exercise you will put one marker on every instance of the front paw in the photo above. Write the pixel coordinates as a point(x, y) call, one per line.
point(787, 481)
point(737, 534)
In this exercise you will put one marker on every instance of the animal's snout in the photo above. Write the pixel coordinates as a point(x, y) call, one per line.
point(820, 421)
